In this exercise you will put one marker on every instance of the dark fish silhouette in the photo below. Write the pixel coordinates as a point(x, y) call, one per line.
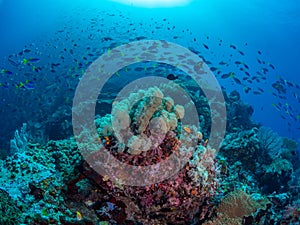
point(107, 39)
point(223, 63)
point(246, 66)
point(236, 80)
point(257, 92)
point(224, 76)
point(205, 46)
point(140, 38)
point(213, 69)
point(247, 89)
point(279, 87)
point(172, 77)
point(26, 50)
point(233, 46)
point(272, 66)
point(242, 53)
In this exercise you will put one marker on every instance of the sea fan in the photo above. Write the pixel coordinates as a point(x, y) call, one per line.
point(269, 141)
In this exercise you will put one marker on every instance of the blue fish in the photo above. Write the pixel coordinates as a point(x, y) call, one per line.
point(5, 72)
point(29, 85)
point(4, 85)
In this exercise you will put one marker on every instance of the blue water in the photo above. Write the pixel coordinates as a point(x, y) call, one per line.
point(272, 27)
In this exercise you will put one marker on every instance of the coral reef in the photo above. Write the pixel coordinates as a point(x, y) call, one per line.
point(149, 120)
point(35, 179)
point(253, 179)
point(9, 209)
point(260, 152)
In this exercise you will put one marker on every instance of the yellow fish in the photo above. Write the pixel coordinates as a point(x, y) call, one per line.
point(187, 129)
point(79, 216)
